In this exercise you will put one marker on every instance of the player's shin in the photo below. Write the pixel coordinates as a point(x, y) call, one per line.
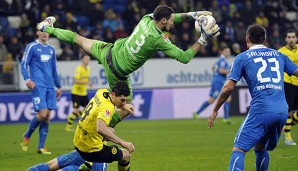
point(43, 132)
point(123, 166)
point(39, 167)
point(295, 118)
point(61, 34)
point(32, 126)
point(287, 129)
point(262, 160)
point(237, 161)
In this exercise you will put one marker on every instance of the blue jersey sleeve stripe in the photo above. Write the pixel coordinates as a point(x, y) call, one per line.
point(25, 65)
point(294, 71)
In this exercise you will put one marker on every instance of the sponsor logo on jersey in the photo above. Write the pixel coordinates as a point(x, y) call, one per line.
point(165, 38)
point(107, 113)
point(45, 58)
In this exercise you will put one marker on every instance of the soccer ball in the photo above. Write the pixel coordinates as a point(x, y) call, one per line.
point(206, 21)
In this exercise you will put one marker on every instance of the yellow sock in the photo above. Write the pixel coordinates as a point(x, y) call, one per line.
point(287, 129)
point(295, 118)
point(71, 118)
point(123, 167)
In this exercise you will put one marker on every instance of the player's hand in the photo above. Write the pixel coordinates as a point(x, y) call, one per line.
point(30, 84)
point(58, 93)
point(129, 146)
point(211, 119)
point(196, 14)
point(129, 108)
point(206, 35)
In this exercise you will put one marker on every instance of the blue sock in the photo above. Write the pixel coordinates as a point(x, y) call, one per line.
point(39, 167)
point(32, 126)
point(203, 107)
point(262, 160)
point(43, 132)
point(226, 110)
point(237, 161)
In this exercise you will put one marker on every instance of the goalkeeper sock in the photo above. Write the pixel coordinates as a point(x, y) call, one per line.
point(64, 35)
point(42, 166)
point(123, 166)
point(262, 160)
point(203, 107)
point(226, 110)
point(294, 118)
point(287, 129)
point(237, 161)
point(72, 117)
point(32, 126)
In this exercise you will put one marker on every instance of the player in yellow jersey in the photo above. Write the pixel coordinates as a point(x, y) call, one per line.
point(92, 129)
point(291, 85)
point(79, 92)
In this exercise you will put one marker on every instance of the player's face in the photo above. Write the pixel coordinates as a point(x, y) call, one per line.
point(86, 60)
point(291, 39)
point(169, 23)
point(226, 52)
point(43, 36)
point(119, 101)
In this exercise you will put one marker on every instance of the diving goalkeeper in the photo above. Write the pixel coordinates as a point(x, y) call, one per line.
point(126, 55)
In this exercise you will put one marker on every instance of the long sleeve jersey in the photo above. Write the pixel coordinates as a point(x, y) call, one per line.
point(39, 65)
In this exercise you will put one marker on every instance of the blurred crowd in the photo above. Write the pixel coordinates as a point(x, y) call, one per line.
point(109, 20)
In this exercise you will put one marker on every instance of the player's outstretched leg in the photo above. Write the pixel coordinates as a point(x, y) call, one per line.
point(65, 35)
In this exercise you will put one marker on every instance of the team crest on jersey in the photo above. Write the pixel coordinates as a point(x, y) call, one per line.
point(107, 113)
point(36, 100)
point(114, 150)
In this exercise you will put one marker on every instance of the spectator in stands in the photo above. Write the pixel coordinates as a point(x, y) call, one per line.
point(3, 49)
point(15, 47)
point(110, 20)
point(7, 69)
point(262, 20)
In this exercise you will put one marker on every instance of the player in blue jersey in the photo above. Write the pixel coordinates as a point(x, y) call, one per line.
point(39, 70)
point(67, 162)
point(263, 69)
point(221, 69)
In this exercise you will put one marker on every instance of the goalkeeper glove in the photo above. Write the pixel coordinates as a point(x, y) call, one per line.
point(206, 35)
point(195, 15)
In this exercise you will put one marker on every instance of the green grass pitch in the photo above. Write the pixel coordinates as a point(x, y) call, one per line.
point(161, 145)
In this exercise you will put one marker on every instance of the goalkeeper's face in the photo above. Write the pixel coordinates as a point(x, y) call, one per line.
point(169, 23)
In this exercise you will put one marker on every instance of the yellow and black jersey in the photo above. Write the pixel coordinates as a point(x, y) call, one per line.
point(86, 138)
point(81, 74)
point(293, 56)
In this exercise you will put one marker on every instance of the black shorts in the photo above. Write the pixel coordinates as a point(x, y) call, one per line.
point(291, 92)
point(78, 101)
point(107, 154)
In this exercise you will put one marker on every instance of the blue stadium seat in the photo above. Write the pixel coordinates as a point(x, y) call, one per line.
point(82, 20)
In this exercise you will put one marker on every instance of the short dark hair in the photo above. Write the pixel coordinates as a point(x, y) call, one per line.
point(290, 31)
point(162, 11)
point(256, 34)
point(121, 88)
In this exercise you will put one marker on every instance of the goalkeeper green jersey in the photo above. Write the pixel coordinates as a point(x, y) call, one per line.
point(132, 52)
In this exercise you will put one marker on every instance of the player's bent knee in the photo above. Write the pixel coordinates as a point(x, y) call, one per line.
point(126, 155)
point(238, 149)
point(53, 164)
